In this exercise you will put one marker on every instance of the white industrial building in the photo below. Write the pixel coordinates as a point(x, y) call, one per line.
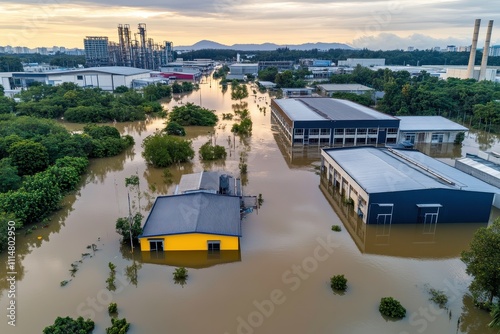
point(238, 71)
point(428, 129)
point(329, 89)
point(107, 78)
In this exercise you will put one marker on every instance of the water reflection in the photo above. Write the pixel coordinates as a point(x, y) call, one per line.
point(296, 156)
point(445, 150)
point(421, 241)
point(99, 168)
point(472, 320)
point(191, 259)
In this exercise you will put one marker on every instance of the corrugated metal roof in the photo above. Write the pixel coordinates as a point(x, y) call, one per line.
point(484, 166)
point(298, 111)
point(428, 123)
point(194, 213)
point(341, 110)
point(382, 170)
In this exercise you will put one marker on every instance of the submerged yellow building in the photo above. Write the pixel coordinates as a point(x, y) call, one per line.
point(193, 221)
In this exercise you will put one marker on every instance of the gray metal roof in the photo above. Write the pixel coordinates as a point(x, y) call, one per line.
point(483, 165)
point(383, 170)
point(198, 212)
point(344, 87)
point(428, 123)
point(341, 110)
point(321, 109)
point(298, 111)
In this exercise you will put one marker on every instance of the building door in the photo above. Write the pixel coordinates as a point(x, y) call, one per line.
point(428, 213)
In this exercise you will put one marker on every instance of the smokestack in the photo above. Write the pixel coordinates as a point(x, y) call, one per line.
point(472, 57)
point(486, 51)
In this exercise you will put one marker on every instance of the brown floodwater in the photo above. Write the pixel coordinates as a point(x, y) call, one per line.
point(277, 283)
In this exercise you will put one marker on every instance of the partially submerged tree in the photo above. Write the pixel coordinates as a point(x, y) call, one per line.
point(161, 150)
point(483, 264)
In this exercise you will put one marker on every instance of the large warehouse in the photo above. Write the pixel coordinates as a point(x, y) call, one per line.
point(389, 186)
point(107, 78)
point(334, 122)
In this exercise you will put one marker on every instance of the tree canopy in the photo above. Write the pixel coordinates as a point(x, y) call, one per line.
point(192, 114)
point(483, 264)
point(162, 150)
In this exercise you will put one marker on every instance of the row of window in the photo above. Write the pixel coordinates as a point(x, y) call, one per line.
point(157, 245)
point(349, 131)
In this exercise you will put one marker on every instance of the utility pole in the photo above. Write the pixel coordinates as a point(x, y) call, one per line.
point(130, 224)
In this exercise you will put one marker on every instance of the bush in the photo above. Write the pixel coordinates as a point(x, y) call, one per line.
point(191, 114)
point(336, 228)
point(112, 308)
point(338, 282)
point(175, 129)
point(390, 307)
point(69, 325)
point(208, 151)
point(180, 273)
point(438, 297)
point(123, 227)
point(118, 326)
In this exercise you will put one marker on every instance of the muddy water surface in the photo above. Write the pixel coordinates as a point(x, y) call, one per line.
point(278, 283)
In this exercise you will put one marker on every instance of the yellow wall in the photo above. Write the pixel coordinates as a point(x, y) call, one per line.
point(192, 241)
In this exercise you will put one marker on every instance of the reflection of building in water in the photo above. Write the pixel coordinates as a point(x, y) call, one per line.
point(404, 186)
point(296, 156)
point(435, 241)
point(191, 259)
point(445, 150)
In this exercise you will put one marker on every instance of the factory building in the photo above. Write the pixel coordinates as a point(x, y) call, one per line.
point(332, 122)
point(389, 186)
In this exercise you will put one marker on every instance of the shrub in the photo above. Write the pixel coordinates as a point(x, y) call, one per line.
point(336, 228)
point(162, 150)
point(112, 308)
point(69, 325)
point(118, 326)
point(338, 282)
point(175, 129)
point(390, 307)
point(208, 151)
point(438, 297)
point(180, 273)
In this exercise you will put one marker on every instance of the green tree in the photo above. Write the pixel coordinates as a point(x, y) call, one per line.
point(123, 227)
point(268, 74)
point(239, 92)
point(70, 326)
point(208, 151)
point(162, 150)
point(495, 314)
point(121, 89)
point(483, 263)
point(192, 114)
point(9, 180)
point(28, 156)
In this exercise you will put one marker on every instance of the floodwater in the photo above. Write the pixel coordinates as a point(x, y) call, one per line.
point(277, 283)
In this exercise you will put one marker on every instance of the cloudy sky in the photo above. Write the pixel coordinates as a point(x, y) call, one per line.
point(360, 23)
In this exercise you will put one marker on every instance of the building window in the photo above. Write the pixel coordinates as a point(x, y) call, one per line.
point(325, 132)
point(339, 131)
point(299, 132)
point(361, 131)
point(360, 141)
point(372, 131)
point(391, 141)
point(297, 140)
point(392, 131)
point(213, 245)
point(79, 77)
point(437, 138)
point(339, 141)
point(350, 131)
point(349, 141)
point(313, 132)
point(156, 245)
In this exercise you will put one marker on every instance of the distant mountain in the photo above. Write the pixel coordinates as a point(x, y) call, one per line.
point(204, 44)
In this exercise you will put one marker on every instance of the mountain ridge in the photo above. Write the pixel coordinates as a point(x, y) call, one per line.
point(207, 44)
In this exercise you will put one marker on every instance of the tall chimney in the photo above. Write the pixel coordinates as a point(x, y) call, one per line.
point(472, 57)
point(486, 51)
